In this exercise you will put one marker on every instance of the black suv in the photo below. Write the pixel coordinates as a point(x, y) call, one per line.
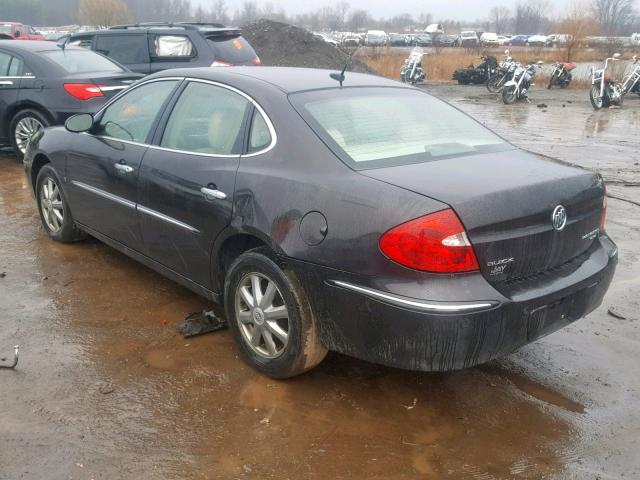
point(152, 47)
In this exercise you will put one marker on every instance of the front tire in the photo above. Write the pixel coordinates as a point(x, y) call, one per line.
point(509, 95)
point(494, 84)
point(270, 316)
point(23, 125)
point(597, 101)
point(54, 209)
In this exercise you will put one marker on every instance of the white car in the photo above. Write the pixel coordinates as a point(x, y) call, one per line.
point(537, 40)
point(489, 39)
point(468, 38)
point(504, 39)
point(376, 37)
point(635, 38)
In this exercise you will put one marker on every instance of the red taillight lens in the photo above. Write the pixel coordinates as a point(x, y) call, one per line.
point(83, 91)
point(219, 63)
point(603, 217)
point(256, 61)
point(433, 243)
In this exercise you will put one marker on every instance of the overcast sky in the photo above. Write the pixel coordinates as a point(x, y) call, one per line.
point(450, 9)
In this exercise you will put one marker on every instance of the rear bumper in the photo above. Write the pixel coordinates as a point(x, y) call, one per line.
point(429, 335)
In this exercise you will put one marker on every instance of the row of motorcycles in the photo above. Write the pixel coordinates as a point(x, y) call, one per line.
point(513, 80)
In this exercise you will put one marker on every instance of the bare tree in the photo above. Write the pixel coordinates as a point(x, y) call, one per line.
point(358, 20)
point(219, 11)
point(531, 16)
point(576, 25)
point(103, 13)
point(614, 16)
point(500, 17)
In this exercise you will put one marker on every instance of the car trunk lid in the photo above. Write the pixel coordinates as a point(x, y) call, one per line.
point(110, 83)
point(506, 201)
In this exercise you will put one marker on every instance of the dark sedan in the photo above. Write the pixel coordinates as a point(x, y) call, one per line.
point(327, 217)
point(42, 84)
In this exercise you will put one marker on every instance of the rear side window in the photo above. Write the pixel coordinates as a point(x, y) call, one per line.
point(15, 67)
point(371, 127)
point(171, 46)
point(81, 61)
point(85, 42)
point(233, 50)
point(5, 61)
point(126, 49)
point(259, 136)
point(206, 119)
point(132, 115)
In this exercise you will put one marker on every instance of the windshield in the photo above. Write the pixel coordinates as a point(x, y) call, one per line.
point(231, 49)
point(5, 28)
point(81, 61)
point(369, 127)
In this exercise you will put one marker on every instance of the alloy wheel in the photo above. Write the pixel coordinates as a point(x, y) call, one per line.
point(51, 205)
point(262, 315)
point(25, 129)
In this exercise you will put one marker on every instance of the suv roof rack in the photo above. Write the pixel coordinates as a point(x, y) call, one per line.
point(184, 25)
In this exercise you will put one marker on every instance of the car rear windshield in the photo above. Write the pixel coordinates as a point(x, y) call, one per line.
point(372, 127)
point(233, 49)
point(81, 61)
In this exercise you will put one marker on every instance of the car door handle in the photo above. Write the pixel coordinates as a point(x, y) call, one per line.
point(213, 194)
point(122, 168)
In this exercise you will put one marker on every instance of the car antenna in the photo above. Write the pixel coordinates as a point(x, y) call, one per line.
point(340, 76)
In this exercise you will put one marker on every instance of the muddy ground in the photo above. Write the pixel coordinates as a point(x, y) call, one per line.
point(106, 389)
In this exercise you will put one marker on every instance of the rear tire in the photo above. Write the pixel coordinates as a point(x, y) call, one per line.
point(23, 125)
point(272, 344)
point(53, 207)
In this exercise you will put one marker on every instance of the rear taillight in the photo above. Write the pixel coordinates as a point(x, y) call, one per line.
point(83, 91)
point(603, 217)
point(219, 63)
point(256, 61)
point(433, 243)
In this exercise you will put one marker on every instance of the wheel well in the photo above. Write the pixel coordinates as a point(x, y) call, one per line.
point(39, 161)
point(14, 109)
point(231, 249)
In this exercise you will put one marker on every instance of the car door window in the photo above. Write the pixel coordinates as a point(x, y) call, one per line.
point(15, 67)
point(260, 135)
point(126, 49)
point(132, 115)
point(5, 61)
point(206, 119)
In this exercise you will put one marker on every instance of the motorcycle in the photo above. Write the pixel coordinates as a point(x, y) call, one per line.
point(502, 74)
point(561, 75)
point(412, 71)
point(605, 91)
point(518, 87)
point(477, 75)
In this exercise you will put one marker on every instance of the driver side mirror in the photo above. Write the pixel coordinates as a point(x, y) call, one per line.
point(17, 34)
point(81, 122)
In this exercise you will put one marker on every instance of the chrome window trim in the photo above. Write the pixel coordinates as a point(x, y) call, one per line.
point(166, 218)
point(16, 77)
point(104, 194)
point(426, 306)
point(272, 129)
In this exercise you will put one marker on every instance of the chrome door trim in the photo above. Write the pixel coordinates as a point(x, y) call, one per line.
point(426, 306)
point(166, 218)
point(103, 194)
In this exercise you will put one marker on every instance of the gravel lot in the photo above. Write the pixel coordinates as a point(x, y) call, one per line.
point(106, 389)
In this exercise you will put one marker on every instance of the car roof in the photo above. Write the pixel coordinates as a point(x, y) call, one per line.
point(30, 45)
point(286, 79)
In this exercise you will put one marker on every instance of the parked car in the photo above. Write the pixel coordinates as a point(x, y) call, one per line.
point(42, 84)
point(397, 40)
point(448, 40)
point(152, 47)
point(468, 39)
point(393, 243)
point(537, 40)
point(351, 41)
point(517, 40)
point(423, 40)
point(376, 38)
point(489, 39)
point(557, 39)
point(635, 38)
point(19, 31)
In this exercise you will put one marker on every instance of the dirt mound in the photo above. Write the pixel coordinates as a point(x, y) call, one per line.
point(283, 45)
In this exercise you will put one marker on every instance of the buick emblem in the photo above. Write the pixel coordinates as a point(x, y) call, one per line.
point(559, 218)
